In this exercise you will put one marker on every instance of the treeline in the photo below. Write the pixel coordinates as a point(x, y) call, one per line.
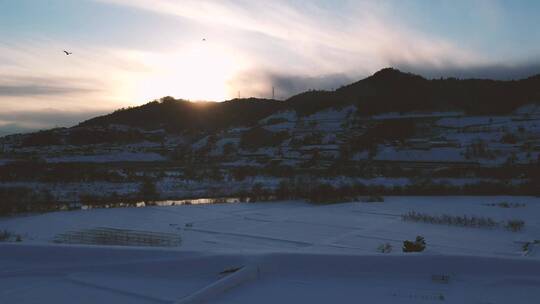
point(22, 199)
point(176, 115)
point(321, 192)
point(60, 172)
point(84, 136)
point(502, 178)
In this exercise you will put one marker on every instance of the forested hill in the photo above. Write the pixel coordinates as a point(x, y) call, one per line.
point(391, 90)
point(180, 115)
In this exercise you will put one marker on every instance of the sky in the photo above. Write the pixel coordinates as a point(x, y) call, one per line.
point(129, 52)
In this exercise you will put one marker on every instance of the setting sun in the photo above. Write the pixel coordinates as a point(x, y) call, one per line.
point(200, 72)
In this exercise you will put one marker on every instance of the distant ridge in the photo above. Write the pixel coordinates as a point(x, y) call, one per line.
point(388, 90)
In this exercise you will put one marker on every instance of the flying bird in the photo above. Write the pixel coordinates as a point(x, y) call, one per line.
point(67, 53)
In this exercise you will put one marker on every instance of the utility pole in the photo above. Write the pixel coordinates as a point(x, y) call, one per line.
point(273, 93)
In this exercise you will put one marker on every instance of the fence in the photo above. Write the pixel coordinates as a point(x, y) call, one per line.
point(119, 237)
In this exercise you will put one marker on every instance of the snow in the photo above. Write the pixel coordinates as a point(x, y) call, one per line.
point(5, 161)
point(279, 127)
point(286, 252)
point(348, 279)
point(397, 115)
point(528, 109)
point(112, 157)
point(431, 155)
point(467, 138)
point(284, 115)
point(242, 162)
point(469, 121)
point(200, 143)
point(141, 145)
point(220, 144)
point(332, 114)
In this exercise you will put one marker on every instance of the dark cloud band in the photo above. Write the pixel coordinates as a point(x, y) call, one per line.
point(26, 121)
point(495, 71)
point(37, 90)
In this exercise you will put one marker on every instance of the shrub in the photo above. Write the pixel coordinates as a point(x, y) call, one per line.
point(466, 221)
point(527, 245)
point(22, 199)
point(92, 136)
point(215, 174)
point(312, 139)
point(5, 235)
point(515, 225)
point(385, 248)
point(507, 205)
point(242, 172)
point(478, 149)
point(509, 138)
point(229, 149)
point(440, 278)
point(284, 190)
point(8, 236)
point(42, 138)
point(417, 246)
point(112, 199)
point(323, 193)
point(374, 199)
point(148, 190)
point(258, 137)
point(259, 193)
point(275, 121)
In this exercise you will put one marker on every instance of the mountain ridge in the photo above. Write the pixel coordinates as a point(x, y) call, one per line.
point(388, 90)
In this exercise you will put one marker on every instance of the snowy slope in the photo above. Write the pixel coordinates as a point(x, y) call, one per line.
point(287, 252)
point(104, 275)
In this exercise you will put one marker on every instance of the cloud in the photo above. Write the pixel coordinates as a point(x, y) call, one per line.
point(490, 71)
point(36, 75)
point(26, 121)
point(302, 45)
point(13, 128)
point(352, 37)
point(37, 86)
point(31, 90)
point(260, 83)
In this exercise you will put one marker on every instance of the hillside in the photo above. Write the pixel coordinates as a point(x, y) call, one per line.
point(180, 115)
point(391, 90)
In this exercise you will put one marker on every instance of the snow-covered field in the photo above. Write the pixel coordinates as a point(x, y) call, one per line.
point(285, 252)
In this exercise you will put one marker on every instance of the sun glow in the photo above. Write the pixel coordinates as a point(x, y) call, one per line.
point(200, 72)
